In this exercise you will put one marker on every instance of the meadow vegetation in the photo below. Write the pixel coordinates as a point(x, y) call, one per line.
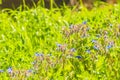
point(60, 43)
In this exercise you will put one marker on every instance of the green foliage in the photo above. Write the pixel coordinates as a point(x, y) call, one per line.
point(87, 42)
point(0, 1)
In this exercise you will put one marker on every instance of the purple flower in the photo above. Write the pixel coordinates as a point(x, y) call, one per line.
point(72, 50)
point(30, 70)
point(71, 26)
point(93, 41)
point(84, 22)
point(59, 45)
point(9, 70)
point(108, 47)
point(111, 43)
point(88, 51)
point(38, 54)
point(79, 57)
point(105, 36)
point(95, 47)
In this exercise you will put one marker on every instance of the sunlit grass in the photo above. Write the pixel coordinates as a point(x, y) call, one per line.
point(61, 44)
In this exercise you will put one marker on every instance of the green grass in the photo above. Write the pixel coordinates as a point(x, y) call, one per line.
point(60, 44)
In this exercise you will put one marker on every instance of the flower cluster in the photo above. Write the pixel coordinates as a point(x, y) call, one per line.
point(80, 28)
